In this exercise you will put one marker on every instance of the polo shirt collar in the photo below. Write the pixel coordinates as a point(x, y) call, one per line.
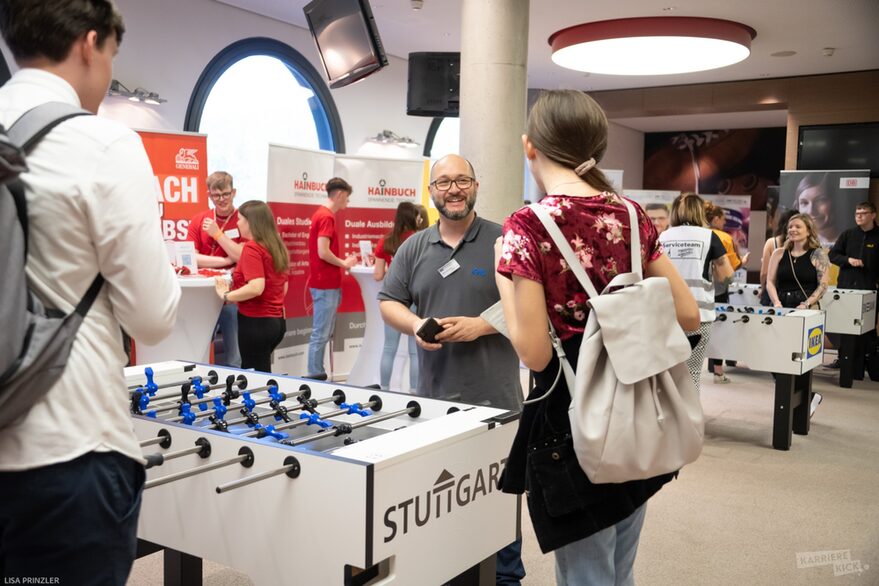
point(469, 236)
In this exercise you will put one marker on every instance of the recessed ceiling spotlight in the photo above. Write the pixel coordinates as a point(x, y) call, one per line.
point(828, 51)
point(669, 8)
point(651, 45)
point(783, 54)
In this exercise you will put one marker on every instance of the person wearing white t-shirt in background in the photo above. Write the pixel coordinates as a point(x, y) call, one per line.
point(71, 469)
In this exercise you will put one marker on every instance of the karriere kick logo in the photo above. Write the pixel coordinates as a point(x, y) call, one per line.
point(447, 495)
point(186, 159)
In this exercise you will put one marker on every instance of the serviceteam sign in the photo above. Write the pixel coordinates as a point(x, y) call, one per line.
point(179, 162)
point(296, 187)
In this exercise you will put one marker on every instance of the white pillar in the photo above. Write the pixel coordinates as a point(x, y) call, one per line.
point(493, 93)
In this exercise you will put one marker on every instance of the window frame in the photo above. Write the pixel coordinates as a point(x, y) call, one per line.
point(329, 131)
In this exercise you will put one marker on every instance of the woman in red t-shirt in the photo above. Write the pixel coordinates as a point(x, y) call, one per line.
point(259, 285)
point(409, 218)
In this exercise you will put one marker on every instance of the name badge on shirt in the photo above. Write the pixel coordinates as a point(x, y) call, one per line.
point(233, 233)
point(449, 268)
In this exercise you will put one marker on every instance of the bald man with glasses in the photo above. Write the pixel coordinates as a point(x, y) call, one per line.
point(218, 246)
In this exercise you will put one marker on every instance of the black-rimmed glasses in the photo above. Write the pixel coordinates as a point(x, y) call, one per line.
point(460, 182)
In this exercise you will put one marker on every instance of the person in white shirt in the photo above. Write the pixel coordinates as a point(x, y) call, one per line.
point(71, 470)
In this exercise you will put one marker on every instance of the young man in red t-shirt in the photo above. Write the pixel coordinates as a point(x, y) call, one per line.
point(218, 245)
point(325, 278)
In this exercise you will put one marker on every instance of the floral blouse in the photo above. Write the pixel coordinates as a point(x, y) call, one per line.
point(597, 228)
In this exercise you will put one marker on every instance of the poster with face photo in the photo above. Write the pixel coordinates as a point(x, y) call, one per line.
point(828, 197)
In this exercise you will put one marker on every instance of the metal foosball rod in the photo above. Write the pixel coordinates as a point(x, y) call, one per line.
point(199, 389)
point(188, 417)
point(320, 418)
point(311, 418)
point(413, 409)
point(140, 401)
point(202, 448)
point(244, 457)
point(212, 376)
point(163, 439)
point(228, 395)
point(291, 468)
point(305, 403)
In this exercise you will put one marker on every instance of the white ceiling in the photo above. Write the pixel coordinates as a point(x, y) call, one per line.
point(805, 26)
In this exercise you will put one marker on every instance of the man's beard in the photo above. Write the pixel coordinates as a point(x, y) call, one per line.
point(441, 208)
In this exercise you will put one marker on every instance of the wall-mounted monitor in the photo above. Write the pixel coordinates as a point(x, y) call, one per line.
point(347, 39)
point(839, 146)
point(434, 82)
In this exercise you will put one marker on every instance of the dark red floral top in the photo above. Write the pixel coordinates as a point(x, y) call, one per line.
point(597, 227)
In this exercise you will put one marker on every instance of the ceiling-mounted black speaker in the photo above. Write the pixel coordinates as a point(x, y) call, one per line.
point(434, 80)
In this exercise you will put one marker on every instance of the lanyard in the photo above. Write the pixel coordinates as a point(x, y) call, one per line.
point(222, 228)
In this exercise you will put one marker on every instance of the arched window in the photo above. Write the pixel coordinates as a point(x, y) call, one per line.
point(443, 138)
point(255, 92)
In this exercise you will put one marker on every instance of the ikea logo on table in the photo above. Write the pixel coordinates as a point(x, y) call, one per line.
point(816, 341)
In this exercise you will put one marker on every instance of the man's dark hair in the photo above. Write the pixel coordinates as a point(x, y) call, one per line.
point(337, 183)
point(866, 205)
point(48, 28)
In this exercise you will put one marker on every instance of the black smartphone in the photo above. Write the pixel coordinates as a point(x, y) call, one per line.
point(429, 330)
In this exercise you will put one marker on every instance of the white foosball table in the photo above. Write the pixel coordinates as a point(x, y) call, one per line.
point(295, 481)
point(786, 342)
point(851, 313)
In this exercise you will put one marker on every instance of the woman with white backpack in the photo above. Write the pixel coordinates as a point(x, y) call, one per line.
point(592, 528)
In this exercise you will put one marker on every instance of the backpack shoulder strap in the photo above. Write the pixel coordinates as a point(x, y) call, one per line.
point(26, 133)
point(37, 122)
point(567, 252)
point(622, 279)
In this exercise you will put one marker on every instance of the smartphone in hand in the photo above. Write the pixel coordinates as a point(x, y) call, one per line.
point(429, 330)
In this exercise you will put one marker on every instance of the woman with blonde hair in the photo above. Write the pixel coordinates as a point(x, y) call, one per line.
point(259, 286)
point(701, 259)
point(799, 272)
point(592, 528)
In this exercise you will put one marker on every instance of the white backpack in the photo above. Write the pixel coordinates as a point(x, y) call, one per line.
point(635, 412)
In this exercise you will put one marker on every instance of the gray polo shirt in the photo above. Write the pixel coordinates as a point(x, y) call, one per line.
point(484, 371)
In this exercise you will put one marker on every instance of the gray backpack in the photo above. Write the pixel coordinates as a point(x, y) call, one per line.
point(36, 341)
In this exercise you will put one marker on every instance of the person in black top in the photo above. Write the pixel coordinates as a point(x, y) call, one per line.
point(798, 272)
point(856, 253)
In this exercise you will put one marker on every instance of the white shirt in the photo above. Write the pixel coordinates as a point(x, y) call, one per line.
point(91, 208)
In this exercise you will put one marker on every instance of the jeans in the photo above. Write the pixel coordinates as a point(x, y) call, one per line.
point(509, 567)
point(75, 521)
point(386, 367)
point(228, 324)
point(606, 557)
point(325, 304)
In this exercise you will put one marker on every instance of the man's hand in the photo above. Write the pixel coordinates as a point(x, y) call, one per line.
point(856, 262)
point(210, 226)
point(462, 329)
point(425, 345)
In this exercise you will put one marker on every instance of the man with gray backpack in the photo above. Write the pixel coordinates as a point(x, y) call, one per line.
point(83, 260)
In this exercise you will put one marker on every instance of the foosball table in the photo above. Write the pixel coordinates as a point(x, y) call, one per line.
point(851, 313)
point(296, 481)
point(786, 342)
